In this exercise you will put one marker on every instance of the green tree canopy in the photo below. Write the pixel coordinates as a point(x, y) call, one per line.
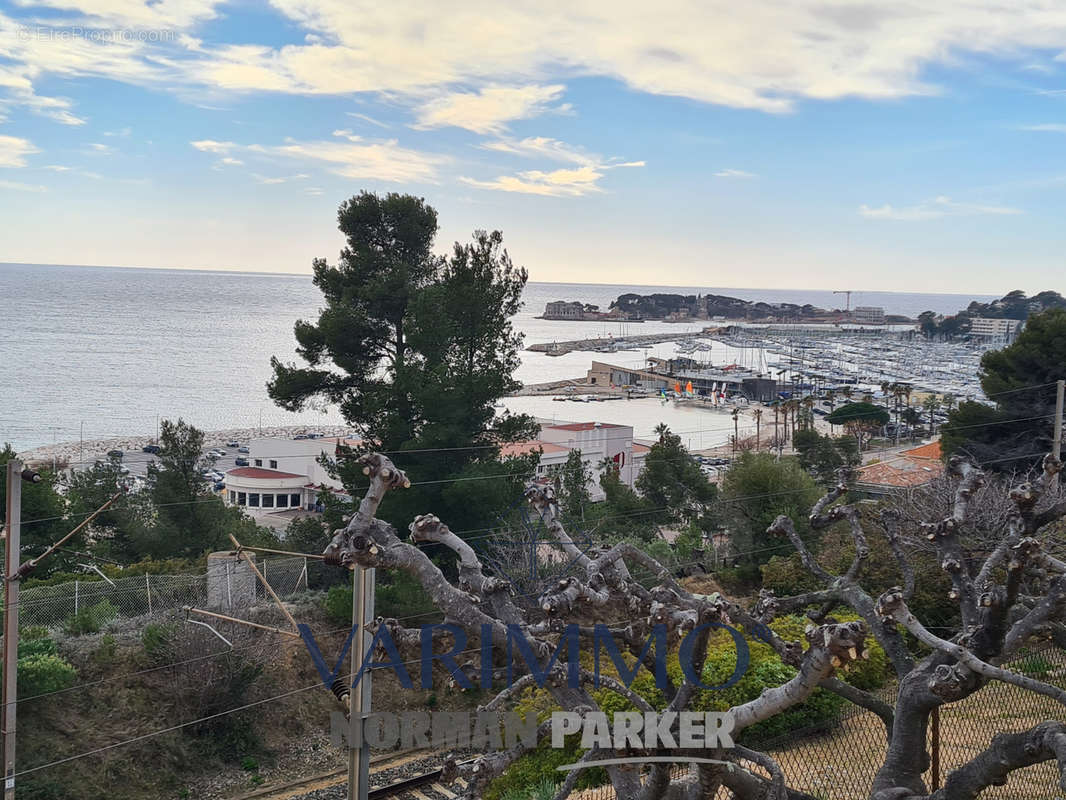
point(755, 490)
point(672, 481)
point(416, 349)
point(1019, 379)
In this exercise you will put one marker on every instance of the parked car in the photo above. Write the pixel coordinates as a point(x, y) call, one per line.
point(242, 450)
point(233, 444)
point(241, 462)
point(115, 454)
point(220, 485)
point(152, 448)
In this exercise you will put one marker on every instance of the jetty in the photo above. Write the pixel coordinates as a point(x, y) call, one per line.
point(615, 344)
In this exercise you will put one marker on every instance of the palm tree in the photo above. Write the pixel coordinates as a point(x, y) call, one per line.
point(831, 396)
point(736, 429)
point(757, 414)
point(931, 404)
point(808, 406)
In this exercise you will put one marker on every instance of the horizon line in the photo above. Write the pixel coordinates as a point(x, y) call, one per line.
point(544, 282)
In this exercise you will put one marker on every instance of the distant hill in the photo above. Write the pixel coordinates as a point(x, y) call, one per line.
point(1015, 305)
point(658, 306)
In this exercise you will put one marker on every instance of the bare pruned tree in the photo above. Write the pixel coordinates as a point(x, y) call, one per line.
point(1013, 596)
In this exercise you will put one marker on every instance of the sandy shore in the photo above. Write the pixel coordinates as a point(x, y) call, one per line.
point(84, 453)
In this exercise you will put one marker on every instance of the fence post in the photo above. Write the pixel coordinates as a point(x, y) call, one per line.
point(75, 597)
point(934, 754)
point(148, 590)
point(303, 573)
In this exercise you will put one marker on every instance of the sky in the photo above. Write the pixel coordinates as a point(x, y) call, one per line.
point(908, 146)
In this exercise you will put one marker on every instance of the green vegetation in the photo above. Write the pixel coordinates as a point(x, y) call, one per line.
point(823, 456)
point(41, 669)
point(755, 491)
point(416, 349)
point(1014, 305)
point(1015, 432)
point(820, 710)
point(90, 619)
point(862, 420)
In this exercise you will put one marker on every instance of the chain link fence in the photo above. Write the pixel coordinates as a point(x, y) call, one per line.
point(63, 605)
point(837, 760)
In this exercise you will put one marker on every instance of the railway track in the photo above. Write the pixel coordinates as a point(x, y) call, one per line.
point(412, 775)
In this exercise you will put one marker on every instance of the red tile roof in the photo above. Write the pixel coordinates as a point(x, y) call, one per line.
point(260, 472)
point(931, 450)
point(915, 467)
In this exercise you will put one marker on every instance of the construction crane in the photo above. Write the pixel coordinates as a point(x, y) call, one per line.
point(847, 306)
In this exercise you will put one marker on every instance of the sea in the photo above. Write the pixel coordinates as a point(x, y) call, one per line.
point(97, 352)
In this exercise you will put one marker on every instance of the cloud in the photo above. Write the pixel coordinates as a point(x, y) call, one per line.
point(1050, 127)
point(734, 173)
point(481, 72)
point(934, 209)
point(13, 151)
point(369, 119)
point(101, 149)
point(281, 179)
point(230, 162)
point(211, 146)
point(489, 109)
point(542, 146)
point(358, 158)
point(22, 187)
point(557, 183)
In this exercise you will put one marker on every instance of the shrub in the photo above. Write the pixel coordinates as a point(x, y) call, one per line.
point(42, 674)
point(36, 647)
point(537, 769)
point(90, 619)
point(156, 639)
point(338, 605)
point(249, 764)
point(33, 632)
point(105, 651)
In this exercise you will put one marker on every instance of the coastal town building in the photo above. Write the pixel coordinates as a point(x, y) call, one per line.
point(599, 443)
point(907, 470)
point(868, 315)
point(990, 328)
point(563, 309)
point(284, 474)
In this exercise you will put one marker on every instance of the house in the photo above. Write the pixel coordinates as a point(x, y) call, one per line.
point(906, 470)
point(597, 441)
point(284, 474)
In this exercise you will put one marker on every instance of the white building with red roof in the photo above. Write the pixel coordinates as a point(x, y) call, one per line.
point(597, 441)
point(284, 474)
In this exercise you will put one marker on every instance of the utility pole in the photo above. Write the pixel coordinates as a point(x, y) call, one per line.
point(1056, 444)
point(12, 541)
point(359, 700)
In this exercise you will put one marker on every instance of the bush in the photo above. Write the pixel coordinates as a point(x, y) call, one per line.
point(338, 605)
point(42, 674)
point(90, 619)
point(156, 639)
point(526, 777)
point(36, 647)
